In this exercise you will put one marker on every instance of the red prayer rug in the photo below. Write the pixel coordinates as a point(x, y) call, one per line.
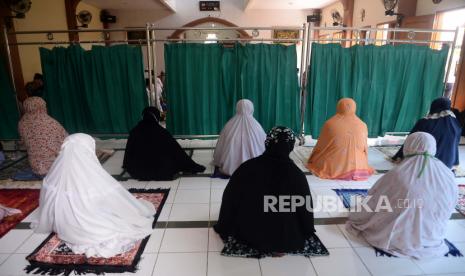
point(53, 257)
point(25, 200)
point(461, 201)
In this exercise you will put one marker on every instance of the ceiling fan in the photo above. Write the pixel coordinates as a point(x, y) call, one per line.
point(389, 6)
point(337, 18)
point(19, 7)
point(84, 17)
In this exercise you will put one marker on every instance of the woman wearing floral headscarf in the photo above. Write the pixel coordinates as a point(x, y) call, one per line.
point(42, 135)
point(245, 227)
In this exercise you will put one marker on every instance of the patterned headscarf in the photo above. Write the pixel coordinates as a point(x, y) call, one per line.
point(42, 135)
point(280, 139)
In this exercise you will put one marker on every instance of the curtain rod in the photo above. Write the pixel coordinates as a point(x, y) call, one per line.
point(144, 41)
point(156, 29)
point(140, 42)
point(381, 29)
point(381, 40)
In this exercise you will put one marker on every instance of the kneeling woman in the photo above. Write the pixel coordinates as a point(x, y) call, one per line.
point(342, 151)
point(245, 227)
point(421, 192)
point(241, 139)
point(153, 154)
point(88, 209)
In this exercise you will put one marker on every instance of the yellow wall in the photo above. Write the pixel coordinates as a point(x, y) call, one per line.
point(374, 13)
point(48, 15)
point(326, 18)
point(94, 24)
point(44, 15)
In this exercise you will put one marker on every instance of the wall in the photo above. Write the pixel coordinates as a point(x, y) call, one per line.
point(44, 15)
point(231, 10)
point(48, 15)
point(428, 7)
point(94, 24)
point(326, 18)
point(374, 13)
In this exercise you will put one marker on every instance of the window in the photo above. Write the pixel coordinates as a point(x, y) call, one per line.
point(381, 34)
point(211, 38)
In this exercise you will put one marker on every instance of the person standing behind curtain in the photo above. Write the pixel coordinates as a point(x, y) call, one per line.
point(241, 139)
point(42, 135)
point(35, 88)
point(445, 128)
point(342, 150)
point(158, 93)
point(153, 154)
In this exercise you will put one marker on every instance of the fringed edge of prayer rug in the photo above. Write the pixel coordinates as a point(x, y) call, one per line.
point(453, 251)
point(41, 268)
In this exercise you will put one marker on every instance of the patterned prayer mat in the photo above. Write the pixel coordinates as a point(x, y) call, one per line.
point(302, 154)
point(7, 172)
point(53, 257)
point(11, 157)
point(453, 251)
point(461, 201)
point(104, 154)
point(21, 170)
point(389, 151)
point(24, 199)
point(347, 195)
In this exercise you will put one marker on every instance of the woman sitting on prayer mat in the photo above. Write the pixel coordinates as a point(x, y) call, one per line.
point(241, 139)
point(153, 154)
point(342, 151)
point(86, 207)
point(250, 229)
point(422, 194)
point(446, 129)
point(42, 135)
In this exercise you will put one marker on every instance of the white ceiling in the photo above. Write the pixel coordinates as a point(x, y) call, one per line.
point(127, 4)
point(288, 4)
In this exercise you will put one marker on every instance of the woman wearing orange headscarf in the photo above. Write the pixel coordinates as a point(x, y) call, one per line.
point(342, 151)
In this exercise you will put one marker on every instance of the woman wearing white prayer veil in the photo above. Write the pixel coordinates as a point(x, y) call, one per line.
point(422, 193)
point(88, 209)
point(241, 139)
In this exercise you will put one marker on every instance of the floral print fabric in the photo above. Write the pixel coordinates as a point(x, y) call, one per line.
point(42, 135)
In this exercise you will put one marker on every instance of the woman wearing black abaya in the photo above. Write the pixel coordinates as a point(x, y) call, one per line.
point(246, 229)
point(153, 154)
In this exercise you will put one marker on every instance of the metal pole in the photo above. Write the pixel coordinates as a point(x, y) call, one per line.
point(10, 66)
point(154, 63)
point(303, 106)
point(449, 61)
point(303, 59)
point(149, 57)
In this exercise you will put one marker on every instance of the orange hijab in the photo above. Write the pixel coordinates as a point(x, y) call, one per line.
point(342, 151)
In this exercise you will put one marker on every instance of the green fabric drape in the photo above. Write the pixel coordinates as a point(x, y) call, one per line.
point(392, 85)
point(97, 91)
point(9, 115)
point(204, 82)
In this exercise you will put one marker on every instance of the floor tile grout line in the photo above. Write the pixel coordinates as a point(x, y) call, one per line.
point(313, 266)
point(361, 259)
point(208, 229)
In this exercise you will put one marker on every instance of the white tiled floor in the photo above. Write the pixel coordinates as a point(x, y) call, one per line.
point(196, 251)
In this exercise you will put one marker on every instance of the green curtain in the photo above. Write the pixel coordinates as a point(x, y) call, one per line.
point(392, 85)
point(204, 82)
point(9, 115)
point(97, 91)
